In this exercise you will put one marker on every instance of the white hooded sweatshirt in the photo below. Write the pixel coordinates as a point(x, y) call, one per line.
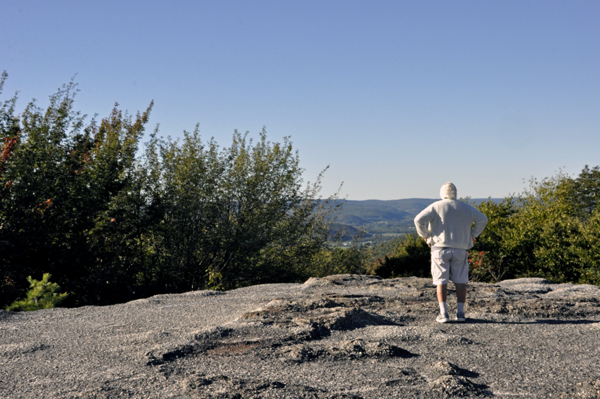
point(449, 223)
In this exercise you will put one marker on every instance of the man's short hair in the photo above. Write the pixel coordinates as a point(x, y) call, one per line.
point(448, 191)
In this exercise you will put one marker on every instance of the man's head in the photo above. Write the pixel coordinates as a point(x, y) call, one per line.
point(448, 191)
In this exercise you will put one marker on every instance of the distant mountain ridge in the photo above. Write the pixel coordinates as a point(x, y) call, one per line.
point(385, 217)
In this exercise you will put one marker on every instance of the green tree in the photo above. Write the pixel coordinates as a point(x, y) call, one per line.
point(42, 295)
point(237, 215)
point(490, 250)
point(548, 231)
point(76, 201)
point(412, 257)
point(586, 191)
point(587, 249)
point(59, 181)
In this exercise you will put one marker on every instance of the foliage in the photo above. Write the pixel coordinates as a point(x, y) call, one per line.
point(352, 259)
point(385, 248)
point(42, 295)
point(76, 201)
point(486, 267)
point(549, 231)
point(488, 257)
point(412, 257)
point(59, 182)
point(235, 216)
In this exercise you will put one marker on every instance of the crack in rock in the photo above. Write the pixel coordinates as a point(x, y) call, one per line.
point(223, 387)
point(342, 350)
point(442, 368)
point(407, 377)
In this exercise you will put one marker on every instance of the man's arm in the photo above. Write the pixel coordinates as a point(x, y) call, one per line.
point(480, 222)
point(422, 222)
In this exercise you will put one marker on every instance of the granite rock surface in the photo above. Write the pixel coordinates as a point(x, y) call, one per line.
point(344, 336)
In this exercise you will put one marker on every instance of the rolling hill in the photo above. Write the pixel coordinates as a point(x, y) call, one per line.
point(386, 218)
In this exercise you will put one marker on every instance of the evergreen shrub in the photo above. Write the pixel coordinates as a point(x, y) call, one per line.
point(42, 295)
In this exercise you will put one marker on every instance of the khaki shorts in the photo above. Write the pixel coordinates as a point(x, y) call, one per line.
point(449, 264)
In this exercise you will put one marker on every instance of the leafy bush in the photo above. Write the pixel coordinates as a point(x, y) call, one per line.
point(486, 266)
point(186, 215)
point(412, 257)
point(59, 179)
point(351, 260)
point(549, 231)
point(234, 216)
point(42, 295)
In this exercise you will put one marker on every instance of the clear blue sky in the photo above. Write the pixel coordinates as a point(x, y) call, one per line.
point(397, 97)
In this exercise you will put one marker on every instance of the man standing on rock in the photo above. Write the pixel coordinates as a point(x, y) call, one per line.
point(447, 226)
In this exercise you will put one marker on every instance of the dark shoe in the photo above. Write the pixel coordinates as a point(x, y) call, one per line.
point(460, 317)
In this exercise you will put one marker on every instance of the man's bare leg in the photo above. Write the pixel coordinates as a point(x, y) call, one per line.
point(461, 293)
point(442, 292)
point(461, 298)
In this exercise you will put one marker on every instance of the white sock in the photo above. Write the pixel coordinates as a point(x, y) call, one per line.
point(460, 307)
point(443, 307)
